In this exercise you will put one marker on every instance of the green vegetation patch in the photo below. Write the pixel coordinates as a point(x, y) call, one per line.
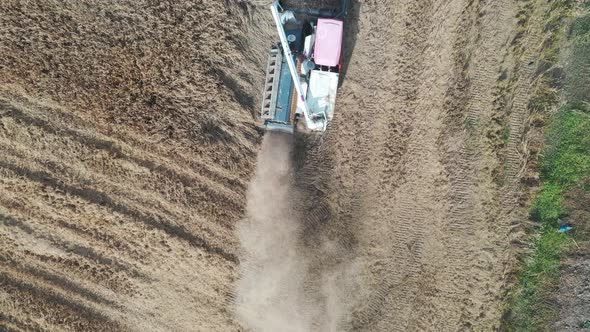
point(565, 162)
point(580, 26)
point(567, 156)
point(548, 206)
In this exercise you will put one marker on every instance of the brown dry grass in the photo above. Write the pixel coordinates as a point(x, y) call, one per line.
point(127, 141)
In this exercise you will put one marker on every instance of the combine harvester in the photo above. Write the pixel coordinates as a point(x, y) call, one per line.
point(303, 69)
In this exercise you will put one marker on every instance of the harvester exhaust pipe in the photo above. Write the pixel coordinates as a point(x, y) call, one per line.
point(343, 9)
point(326, 13)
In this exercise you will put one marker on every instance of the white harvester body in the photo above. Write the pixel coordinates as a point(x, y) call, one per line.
point(302, 75)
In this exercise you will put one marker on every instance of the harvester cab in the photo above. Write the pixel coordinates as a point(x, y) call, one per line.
point(303, 68)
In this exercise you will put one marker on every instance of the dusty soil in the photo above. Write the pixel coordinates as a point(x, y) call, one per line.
point(129, 141)
point(574, 294)
point(573, 297)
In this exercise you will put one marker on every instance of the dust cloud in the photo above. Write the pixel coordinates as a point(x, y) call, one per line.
point(282, 287)
point(270, 288)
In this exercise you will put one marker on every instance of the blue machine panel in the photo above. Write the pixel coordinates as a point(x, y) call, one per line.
point(286, 89)
point(285, 95)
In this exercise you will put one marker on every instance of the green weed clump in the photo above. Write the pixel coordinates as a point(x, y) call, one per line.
point(530, 309)
point(548, 206)
point(567, 158)
point(581, 26)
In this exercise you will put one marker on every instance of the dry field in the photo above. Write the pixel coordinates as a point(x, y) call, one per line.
point(129, 138)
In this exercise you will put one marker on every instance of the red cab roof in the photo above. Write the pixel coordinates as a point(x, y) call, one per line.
point(328, 42)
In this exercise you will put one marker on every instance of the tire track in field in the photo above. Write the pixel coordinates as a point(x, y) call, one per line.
point(377, 117)
point(465, 280)
point(519, 111)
